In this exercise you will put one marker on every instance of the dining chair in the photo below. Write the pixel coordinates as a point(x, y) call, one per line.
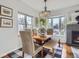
point(49, 31)
point(34, 31)
point(50, 45)
point(28, 46)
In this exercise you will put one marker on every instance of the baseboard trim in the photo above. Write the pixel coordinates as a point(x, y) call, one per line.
point(9, 52)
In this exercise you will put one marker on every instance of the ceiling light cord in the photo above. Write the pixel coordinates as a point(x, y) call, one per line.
point(45, 0)
point(45, 5)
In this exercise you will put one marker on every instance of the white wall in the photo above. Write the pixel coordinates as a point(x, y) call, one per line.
point(8, 36)
point(65, 11)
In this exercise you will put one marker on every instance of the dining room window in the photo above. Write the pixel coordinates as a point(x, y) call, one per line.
point(58, 25)
point(29, 21)
point(55, 25)
point(21, 22)
point(24, 22)
point(49, 23)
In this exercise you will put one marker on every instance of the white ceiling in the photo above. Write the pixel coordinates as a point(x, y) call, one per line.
point(51, 4)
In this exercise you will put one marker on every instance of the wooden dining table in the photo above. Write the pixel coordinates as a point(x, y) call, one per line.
point(41, 38)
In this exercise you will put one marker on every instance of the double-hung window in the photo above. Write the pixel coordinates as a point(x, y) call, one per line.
point(24, 21)
point(50, 23)
point(58, 25)
point(29, 21)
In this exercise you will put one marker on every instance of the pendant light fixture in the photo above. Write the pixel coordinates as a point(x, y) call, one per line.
point(46, 12)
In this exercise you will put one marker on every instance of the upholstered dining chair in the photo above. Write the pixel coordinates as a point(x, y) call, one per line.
point(34, 31)
point(50, 45)
point(28, 45)
point(49, 31)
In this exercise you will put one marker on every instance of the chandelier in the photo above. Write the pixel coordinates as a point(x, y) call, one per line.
point(46, 12)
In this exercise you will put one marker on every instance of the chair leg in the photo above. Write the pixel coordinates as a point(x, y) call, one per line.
point(42, 53)
point(23, 54)
point(33, 56)
point(53, 51)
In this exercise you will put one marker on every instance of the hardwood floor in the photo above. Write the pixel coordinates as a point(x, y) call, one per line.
point(67, 51)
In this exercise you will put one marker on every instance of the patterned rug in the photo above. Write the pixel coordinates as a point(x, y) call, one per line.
point(18, 54)
point(57, 53)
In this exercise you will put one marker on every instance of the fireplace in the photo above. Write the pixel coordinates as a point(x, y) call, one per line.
point(75, 37)
point(73, 34)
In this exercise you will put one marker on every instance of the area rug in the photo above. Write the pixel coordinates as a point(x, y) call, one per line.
point(57, 53)
point(18, 54)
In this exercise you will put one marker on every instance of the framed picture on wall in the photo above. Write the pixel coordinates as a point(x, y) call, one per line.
point(6, 11)
point(6, 23)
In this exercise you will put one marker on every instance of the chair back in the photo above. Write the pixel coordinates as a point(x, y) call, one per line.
point(27, 41)
point(34, 31)
point(50, 31)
